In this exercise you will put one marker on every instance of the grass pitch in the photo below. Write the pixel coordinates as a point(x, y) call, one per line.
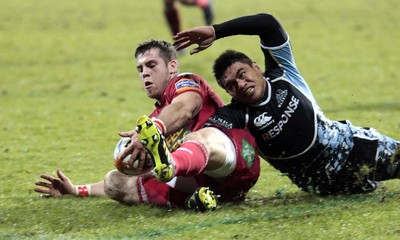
point(68, 85)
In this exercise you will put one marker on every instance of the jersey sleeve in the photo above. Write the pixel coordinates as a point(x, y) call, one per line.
point(227, 117)
point(264, 25)
point(185, 83)
point(283, 56)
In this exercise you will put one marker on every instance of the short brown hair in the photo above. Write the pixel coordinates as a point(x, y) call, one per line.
point(167, 50)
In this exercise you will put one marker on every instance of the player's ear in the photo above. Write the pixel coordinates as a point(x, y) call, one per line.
point(173, 66)
point(256, 66)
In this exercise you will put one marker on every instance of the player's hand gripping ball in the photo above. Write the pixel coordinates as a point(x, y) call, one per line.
point(122, 164)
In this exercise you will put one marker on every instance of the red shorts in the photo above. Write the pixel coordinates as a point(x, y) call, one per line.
point(231, 188)
point(246, 173)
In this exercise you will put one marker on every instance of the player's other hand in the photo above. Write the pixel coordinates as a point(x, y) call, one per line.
point(55, 186)
point(202, 36)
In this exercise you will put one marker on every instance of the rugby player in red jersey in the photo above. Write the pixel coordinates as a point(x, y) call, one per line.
point(183, 103)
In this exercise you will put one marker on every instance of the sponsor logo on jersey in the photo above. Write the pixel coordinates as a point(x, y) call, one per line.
point(285, 117)
point(263, 121)
point(186, 83)
point(221, 122)
point(281, 96)
point(248, 153)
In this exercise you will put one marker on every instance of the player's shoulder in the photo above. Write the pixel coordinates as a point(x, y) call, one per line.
point(231, 110)
point(227, 117)
point(190, 76)
point(189, 79)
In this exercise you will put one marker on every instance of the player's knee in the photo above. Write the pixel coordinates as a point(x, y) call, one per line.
point(209, 137)
point(113, 184)
point(200, 135)
point(120, 187)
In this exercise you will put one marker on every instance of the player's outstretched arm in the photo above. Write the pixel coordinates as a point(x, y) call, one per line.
point(62, 186)
point(171, 119)
point(266, 26)
point(202, 36)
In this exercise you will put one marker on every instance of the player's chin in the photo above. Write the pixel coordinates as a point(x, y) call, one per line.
point(153, 94)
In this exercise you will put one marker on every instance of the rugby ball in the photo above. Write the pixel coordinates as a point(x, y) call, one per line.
point(122, 165)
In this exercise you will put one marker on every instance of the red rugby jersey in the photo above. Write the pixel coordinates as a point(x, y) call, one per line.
point(189, 82)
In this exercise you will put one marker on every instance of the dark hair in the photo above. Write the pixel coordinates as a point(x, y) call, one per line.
point(225, 60)
point(167, 50)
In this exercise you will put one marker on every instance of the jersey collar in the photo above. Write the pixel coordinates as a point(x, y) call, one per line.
point(266, 97)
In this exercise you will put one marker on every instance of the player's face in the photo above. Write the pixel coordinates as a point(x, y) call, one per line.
point(244, 82)
point(154, 72)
